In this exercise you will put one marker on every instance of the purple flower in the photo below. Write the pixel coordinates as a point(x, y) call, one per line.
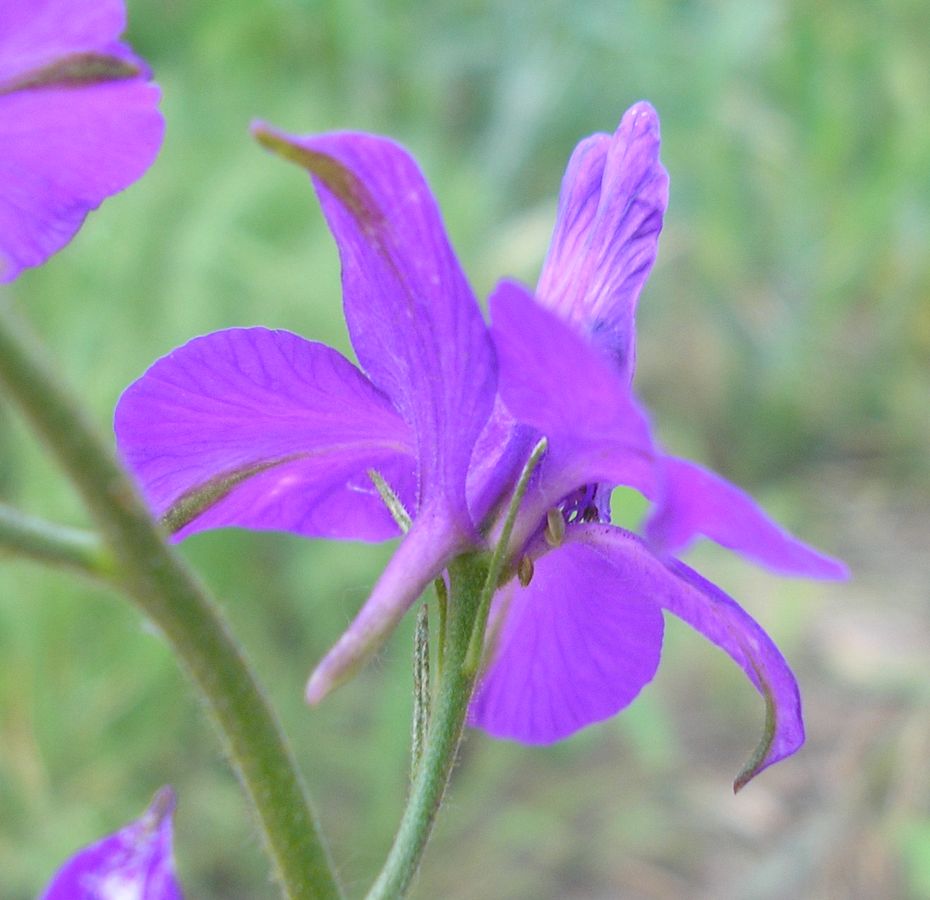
point(575, 642)
point(78, 121)
point(136, 862)
point(263, 429)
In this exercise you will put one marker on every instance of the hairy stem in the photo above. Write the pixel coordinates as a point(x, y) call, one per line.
point(168, 593)
point(467, 576)
point(422, 699)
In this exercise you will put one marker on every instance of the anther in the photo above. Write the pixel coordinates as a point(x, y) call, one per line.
point(525, 571)
point(555, 528)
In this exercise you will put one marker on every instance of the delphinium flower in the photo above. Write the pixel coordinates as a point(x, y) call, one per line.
point(578, 636)
point(263, 429)
point(136, 862)
point(78, 121)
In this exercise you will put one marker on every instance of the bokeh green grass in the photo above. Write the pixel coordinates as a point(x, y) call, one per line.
point(784, 339)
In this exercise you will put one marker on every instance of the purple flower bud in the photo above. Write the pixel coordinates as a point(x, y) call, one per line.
point(136, 863)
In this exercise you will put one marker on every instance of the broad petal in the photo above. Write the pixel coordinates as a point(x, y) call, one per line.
point(69, 138)
point(611, 207)
point(695, 501)
point(414, 321)
point(420, 557)
point(718, 617)
point(576, 646)
point(552, 379)
point(136, 862)
point(263, 429)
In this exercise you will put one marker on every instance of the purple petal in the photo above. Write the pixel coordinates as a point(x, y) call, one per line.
point(78, 122)
point(695, 501)
point(35, 32)
point(575, 647)
point(263, 429)
point(420, 557)
point(553, 380)
point(135, 862)
point(613, 199)
point(500, 453)
point(414, 321)
point(722, 621)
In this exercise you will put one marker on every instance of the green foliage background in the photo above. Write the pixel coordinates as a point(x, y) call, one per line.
point(784, 339)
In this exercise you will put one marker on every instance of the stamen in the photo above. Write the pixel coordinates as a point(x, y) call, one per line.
point(525, 571)
point(555, 528)
point(590, 514)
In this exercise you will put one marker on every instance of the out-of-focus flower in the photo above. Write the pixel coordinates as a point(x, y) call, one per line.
point(78, 121)
point(136, 863)
point(265, 430)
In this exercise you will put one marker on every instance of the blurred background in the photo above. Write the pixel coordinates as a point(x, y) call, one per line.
point(784, 339)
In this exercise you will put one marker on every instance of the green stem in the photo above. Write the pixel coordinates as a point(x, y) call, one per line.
point(57, 545)
point(167, 592)
point(467, 576)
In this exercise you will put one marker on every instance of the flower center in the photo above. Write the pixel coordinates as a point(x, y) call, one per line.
point(589, 503)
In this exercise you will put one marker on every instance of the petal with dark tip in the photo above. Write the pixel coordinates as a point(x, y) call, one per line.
point(611, 208)
point(575, 646)
point(78, 122)
point(35, 32)
point(680, 590)
point(263, 429)
point(137, 862)
point(695, 501)
point(413, 319)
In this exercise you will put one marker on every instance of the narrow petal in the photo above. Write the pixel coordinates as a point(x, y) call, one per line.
point(263, 429)
point(695, 501)
point(552, 379)
point(78, 123)
point(137, 862)
point(611, 208)
point(707, 609)
point(576, 646)
point(420, 557)
point(414, 321)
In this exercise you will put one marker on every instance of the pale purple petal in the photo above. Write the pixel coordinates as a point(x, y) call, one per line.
point(413, 319)
point(611, 207)
point(263, 429)
point(137, 862)
point(552, 379)
point(66, 143)
point(722, 621)
point(695, 501)
point(575, 647)
point(420, 557)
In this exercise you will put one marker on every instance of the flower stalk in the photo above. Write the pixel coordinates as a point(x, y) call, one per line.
point(467, 576)
point(162, 586)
